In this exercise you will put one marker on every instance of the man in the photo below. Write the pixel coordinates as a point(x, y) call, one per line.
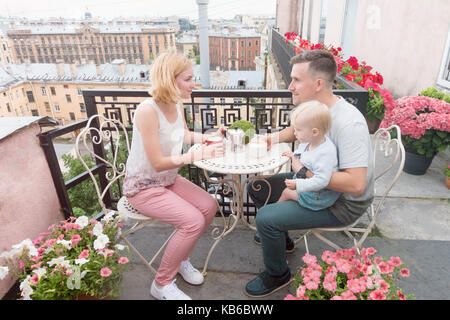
point(313, 73)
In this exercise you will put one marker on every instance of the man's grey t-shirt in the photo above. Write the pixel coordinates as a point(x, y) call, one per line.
point(351, 137)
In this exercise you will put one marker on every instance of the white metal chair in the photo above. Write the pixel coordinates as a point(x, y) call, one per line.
point(111, 129)
point(393, 152)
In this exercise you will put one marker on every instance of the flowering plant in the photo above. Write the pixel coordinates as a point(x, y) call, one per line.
point(76, 257)
point(352, 70)
point(447, 171)
point(424, 122)
point(343, 275)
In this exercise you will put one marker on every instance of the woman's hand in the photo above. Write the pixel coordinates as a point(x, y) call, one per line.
point(288, 154)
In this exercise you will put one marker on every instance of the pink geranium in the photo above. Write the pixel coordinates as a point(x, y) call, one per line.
point(347, 275)
point(83, 254)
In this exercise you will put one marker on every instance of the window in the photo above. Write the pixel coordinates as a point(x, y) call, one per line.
point(79, 92)
point(44, 92)
point(444, 72)
point(34, 113)
point(66, 86)
point(30, 96)
point(68, 98)
point(8, 107)
point(53, 91)
point(82, 107)
point(72, 116)
point(57, 107)
point(47, 106)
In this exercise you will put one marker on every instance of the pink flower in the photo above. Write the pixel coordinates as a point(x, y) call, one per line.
point(75, 239)
point(123, 260)
point(328, 257)
point(34, 279)
point(329, 283)
point(309, 259)
point(311, 283)
point(377, 295)
point(356, 285)
point(336, 298)
point(404, 272)
point(348, 295)
point(105, 272)
point(37, 240)
point(83, 254)
point(396, 261)
point(301, 291)
point(401, 295)
point(290, 297)
point(384, 286)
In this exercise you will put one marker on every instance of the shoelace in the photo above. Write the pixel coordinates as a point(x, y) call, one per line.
point(188, 267)
point(173, 289)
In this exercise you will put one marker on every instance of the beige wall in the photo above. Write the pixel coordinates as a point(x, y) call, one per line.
point(28, 200)
point(408, 46)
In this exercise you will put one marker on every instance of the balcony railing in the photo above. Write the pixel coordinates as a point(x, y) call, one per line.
point(207, 109)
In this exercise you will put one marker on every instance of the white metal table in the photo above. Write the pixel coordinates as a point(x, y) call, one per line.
point(237, 164)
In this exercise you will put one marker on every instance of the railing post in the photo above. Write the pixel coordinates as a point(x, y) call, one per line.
point(46, 142)
point(99, 150)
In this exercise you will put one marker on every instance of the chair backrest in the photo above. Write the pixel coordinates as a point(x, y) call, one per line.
point(389, 158)
point(97, 131)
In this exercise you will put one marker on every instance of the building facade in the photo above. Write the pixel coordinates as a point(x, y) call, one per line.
point(5, 52)
point(89, 43)
point(234, 50)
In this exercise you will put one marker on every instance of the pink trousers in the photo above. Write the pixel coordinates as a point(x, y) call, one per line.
point(183, 205)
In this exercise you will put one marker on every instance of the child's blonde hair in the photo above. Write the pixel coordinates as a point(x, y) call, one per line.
point(316, 113)
point(166, 67)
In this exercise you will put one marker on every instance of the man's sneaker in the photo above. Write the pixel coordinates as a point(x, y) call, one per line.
point(265, 284)
point(168, 292)
point(190, 274)
point(290, 244)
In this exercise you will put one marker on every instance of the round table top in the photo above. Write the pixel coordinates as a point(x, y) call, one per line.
point(245, 161)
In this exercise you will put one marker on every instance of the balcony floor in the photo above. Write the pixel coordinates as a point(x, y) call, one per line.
point(414, 225)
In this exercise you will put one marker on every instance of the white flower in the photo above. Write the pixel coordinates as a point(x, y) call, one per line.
point(58, 261)
point(3, 272)
point(119, 247)
point(40, 272)
point(66, 243)
point(108, 217)
point(27, 243)
point(83, 221)
point(98, 229)
point(81, 261)
point(101, 241)
point(26, 288)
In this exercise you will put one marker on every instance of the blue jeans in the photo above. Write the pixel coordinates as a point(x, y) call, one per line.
point(275, 219)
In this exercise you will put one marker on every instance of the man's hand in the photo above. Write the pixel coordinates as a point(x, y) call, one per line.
point(290, 183)
point(288, 154)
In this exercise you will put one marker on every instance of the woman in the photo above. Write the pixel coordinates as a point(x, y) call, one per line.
point(152, 184)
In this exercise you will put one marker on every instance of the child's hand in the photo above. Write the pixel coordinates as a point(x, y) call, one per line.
point(290, 183)
point(288, 154)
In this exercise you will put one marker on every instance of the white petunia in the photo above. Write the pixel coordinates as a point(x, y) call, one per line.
point(81, 261)
point(40, 272)
point(83, 221)
point(101, 242)
point(108, 217)
point(3, 272)
point(58, 261)
point(119, 247)
point(98, 229)
point(66, 243)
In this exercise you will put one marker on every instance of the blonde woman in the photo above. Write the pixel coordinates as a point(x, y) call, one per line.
point(152, 184)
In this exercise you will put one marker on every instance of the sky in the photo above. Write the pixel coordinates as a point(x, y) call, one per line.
point(108, 9)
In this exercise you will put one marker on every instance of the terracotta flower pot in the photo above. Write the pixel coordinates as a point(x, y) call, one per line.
point(447, 182)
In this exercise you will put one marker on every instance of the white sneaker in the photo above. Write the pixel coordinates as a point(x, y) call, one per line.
point(190, 274)
point(168, 292)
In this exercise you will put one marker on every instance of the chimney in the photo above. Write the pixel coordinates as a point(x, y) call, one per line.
point(73, 70)
point(121, 66)
point(204, 41)
point(60, 67)
point(98, 69)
